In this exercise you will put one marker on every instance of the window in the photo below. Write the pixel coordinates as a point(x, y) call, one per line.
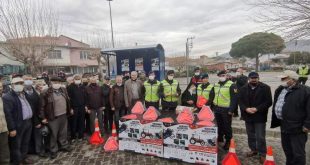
point(84, 55)
point(55, 54)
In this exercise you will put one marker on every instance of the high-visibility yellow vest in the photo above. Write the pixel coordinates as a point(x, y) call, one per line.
point(151, 91)
point(204, 92)
point(222, 94)
point(170, 89)
point(303, 71)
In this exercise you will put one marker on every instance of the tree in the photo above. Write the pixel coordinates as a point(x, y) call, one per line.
point(28, 29)
point(257, 44)
point(298, 58)
point(290, 17)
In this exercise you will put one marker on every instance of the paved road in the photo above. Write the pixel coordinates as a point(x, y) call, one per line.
point(84, 153)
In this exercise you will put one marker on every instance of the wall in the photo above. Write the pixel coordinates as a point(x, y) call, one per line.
point(64, 61)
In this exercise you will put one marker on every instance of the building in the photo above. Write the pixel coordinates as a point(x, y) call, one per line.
point(68, 55)
point(227, 65)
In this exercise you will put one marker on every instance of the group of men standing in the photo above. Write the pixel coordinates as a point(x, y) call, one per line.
point(32, 110)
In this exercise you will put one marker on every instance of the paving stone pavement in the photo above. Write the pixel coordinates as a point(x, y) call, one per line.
point(83, 153)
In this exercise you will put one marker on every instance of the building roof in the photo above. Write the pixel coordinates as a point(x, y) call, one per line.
point(157, 46)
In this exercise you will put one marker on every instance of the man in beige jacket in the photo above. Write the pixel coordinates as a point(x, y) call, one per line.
point(4, 145)
point(133, 91)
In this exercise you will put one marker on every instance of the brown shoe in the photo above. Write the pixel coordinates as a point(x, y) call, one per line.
point(262, 159)
point(251, 154)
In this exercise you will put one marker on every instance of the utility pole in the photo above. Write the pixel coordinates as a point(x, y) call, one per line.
point(112, 35)
point(189, 46)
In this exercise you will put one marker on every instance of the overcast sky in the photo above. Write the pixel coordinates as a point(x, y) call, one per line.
point(215, 24)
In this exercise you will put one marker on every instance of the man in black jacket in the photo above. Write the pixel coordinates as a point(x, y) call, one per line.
point(76, 93)
point(255, 100)
point(108, 113)
point(240, 81)
point(18, 114)
point(291, 111)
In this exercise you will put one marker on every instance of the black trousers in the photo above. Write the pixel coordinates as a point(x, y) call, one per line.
point(154, 104)
point(77, 123)
point(4, 149)
point(302, 80)
point(118, 113)
point(223, 120)
point(294, 148)
point(108, 119)
point(256, 137)
point(19, 144)
point(87, 124)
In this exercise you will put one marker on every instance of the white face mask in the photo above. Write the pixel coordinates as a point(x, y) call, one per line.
point(44, 87)
point(97, 81)
point(56, 86)
point(151, 77)
point(119, 84)
point(77, 82)
point(170, 77)
point(18, 88)
point(28, 82)
point(222, 79)
point(238, 73)
point(197, 73)
point(284, 83)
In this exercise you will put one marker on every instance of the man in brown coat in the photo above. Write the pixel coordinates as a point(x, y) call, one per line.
point(133, 90)
point(55, 109)
point(117, 101)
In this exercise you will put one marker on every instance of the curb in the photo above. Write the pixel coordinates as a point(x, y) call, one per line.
point(269, 133)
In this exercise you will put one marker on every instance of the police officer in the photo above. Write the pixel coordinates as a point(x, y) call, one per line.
point(303, 72)
point(205, 89)
point(196, 79)
point(224, 103)
point(150, 91)
point(170, 92)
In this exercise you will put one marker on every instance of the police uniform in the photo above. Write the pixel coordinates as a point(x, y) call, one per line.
point(224, 102)
point(151, 93)
point(303, 73)
point(170, 92)
point(205, 91)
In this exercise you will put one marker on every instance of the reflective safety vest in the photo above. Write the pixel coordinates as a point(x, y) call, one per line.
point(151, 91)
point(303, 71)
point(170, 89)
point(222, 94)
point(204, 92)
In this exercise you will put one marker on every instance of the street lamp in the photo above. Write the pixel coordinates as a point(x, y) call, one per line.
point(111, 23)
point(189, 46)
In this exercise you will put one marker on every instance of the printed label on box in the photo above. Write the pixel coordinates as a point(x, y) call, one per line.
point(152, 139)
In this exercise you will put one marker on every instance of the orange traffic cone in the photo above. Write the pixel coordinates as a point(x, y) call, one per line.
point(231, 158)
point(269, 157)
point(96, 136)
point(114, 132)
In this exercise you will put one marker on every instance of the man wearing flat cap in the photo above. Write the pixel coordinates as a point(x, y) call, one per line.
point(291, 111)
point(170, 92)
point(224, 102)
point(254, 100)
point(55, 108)
point(18, 114)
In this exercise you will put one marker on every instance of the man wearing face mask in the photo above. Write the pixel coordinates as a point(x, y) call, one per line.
point(291, 111)
point(117, 100)
point(95, 104)
point(224, 103)
point(133, 90)
point(254, 101)
point(108, 113)
point(204, 89)
point(240, 81)
point(18, 114)
point(303, 72)
point(150, 91)
point(55, 108)
point(196, 79)
point(4, 144)
point(77, 94)
point(85, 81)
point(170, 92)
point(34, 100)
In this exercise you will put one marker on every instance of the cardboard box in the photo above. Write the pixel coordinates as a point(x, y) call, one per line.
point(130, 135)
point(203, 147)
point(152, 138)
